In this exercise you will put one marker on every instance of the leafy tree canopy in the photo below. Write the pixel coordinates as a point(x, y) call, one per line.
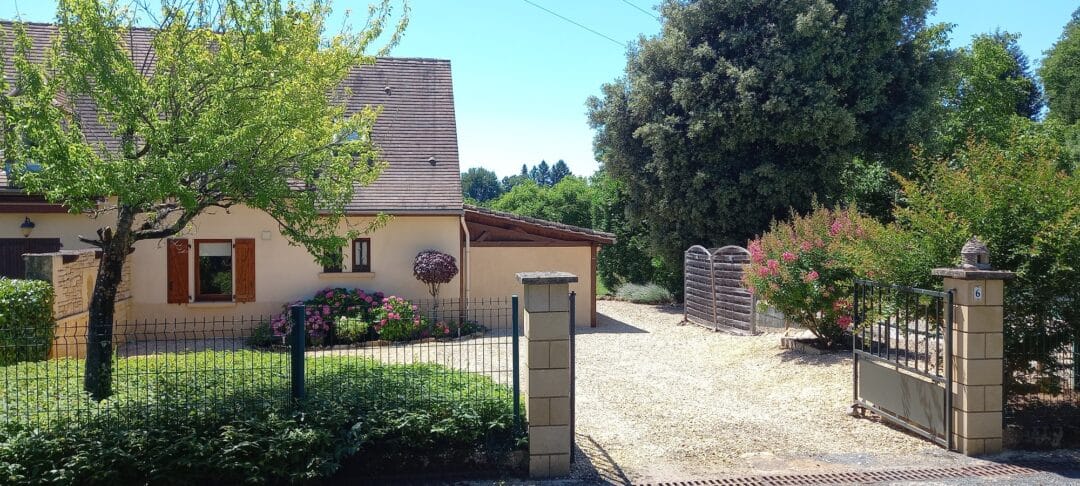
point(740, 111)
point(241, 106)
point(1060, 73)
point(992, 85)
point(480, 184)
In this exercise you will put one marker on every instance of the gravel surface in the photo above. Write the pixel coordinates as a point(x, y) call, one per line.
point(657, 400)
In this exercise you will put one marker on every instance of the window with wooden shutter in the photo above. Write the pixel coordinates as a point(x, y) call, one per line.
point(177, 271)
point(244, 253)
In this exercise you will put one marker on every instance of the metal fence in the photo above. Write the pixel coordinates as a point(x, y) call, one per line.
point(1042, 383)
point(228, 363)
point(902, 365)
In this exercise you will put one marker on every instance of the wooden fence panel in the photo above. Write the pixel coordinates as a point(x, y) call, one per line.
point(714, 293)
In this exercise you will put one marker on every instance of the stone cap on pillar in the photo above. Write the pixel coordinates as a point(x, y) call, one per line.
point(974, 264)
point(546, 278)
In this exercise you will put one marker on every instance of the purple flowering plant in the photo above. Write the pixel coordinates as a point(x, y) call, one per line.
point(397, 319)
point(434, 268)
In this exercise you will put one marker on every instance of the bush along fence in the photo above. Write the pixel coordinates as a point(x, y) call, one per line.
point(1042, 385)
point(374, 381)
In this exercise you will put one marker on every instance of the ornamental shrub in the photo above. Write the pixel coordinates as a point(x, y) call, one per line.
point(399, 320)
point(323, 310)
point(351, 329)
point(434, 268)
point(644, 294)
point(26, 320)
point(803, 269)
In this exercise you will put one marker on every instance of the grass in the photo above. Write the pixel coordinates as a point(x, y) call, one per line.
point(601, 289)
point(227, 417)
point(47, 392)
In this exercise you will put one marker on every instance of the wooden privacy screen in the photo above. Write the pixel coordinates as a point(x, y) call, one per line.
point(714, 293)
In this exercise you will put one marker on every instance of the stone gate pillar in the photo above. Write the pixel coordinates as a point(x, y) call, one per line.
point(977, 350)
point(547, 368)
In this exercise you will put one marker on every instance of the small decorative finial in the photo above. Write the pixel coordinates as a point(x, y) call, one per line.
point(975, 255)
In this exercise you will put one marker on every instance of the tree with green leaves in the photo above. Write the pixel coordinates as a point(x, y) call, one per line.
point(738, 112)
point(559, 171)
point(994, 90)
point(1060, 73)
point(236, 103)
point(480, 184)
point(541, 174)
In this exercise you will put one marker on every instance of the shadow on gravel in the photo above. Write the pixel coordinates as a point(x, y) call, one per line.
point(1064, 462)
point(607, 325)
point(827, 359)
point(593, 465)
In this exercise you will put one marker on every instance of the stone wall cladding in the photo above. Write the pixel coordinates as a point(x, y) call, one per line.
point(72, 274)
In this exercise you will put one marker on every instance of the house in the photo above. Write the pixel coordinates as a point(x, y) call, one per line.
point(236, 262)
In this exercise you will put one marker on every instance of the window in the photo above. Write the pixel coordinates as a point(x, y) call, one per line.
point(336, 266)
point(361, 255)
point(213, 270)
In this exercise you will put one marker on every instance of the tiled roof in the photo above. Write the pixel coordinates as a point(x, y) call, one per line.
point(563, 231)
point(417, 126)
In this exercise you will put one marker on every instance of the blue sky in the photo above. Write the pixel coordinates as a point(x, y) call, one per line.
point(522, 75)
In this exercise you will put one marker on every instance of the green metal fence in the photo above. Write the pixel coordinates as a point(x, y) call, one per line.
point(461, 352)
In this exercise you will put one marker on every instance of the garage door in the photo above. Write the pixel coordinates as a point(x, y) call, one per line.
point(12, 250)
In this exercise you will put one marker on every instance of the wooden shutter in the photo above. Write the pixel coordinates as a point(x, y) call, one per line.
point(177, 271)
point(244, 261)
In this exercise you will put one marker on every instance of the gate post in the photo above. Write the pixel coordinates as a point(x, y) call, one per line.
point(977, 350)
point(547, 368)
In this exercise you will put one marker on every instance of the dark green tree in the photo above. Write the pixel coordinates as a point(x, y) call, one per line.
point(541, 174)
point(740, 111)
point(1060, 73)
point(480, 184)
point(559, 171)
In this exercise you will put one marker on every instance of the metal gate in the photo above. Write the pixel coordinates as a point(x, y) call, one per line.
point(714, 295)
point(902, 361)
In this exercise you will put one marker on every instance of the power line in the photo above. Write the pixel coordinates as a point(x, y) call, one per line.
point(639, 9)
point(620, 44)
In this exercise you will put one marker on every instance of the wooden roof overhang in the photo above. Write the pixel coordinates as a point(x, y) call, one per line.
point(495, 228)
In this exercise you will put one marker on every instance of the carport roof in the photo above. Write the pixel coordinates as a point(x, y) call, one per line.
point(509, 225)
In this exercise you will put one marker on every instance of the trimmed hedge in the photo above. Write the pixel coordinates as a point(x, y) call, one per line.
point(26, 320)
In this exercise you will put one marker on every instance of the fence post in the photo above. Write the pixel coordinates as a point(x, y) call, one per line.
point(547, 366)
point(573, 367)
point(517, 367)
point(976, 350)
point(296, 351)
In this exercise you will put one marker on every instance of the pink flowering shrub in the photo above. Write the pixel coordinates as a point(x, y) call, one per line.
point(323, 310)
point(802, 268)
point(397, 319)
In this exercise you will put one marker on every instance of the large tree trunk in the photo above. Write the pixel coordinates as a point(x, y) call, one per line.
point(115, 247)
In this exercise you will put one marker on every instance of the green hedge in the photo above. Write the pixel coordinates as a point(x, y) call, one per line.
point(225, 418)
point(26, 320)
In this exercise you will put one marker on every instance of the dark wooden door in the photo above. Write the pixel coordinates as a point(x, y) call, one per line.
point(12, 250)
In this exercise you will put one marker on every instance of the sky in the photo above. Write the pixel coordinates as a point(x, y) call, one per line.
point(522, 74)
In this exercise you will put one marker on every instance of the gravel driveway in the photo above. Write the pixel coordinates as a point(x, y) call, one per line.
point(659, 401)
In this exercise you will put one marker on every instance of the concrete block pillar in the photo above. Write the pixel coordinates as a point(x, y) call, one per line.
point(977, 350)
point(547, 368)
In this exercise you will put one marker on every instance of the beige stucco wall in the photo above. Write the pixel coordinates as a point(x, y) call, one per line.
point(65, 226)
point(494, 271)
point(284, 273)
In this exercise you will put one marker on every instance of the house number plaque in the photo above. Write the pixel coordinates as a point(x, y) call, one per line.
point(977, 292)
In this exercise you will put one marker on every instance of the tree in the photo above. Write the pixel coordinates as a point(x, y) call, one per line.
point(434, 268)
point(628, 260)
point(1060, 73)
point(541, 174)
point(740, 111)
point(480, 184)
point(559, 171)
point(239, 107)
point(569, 201)
point(993, 86)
